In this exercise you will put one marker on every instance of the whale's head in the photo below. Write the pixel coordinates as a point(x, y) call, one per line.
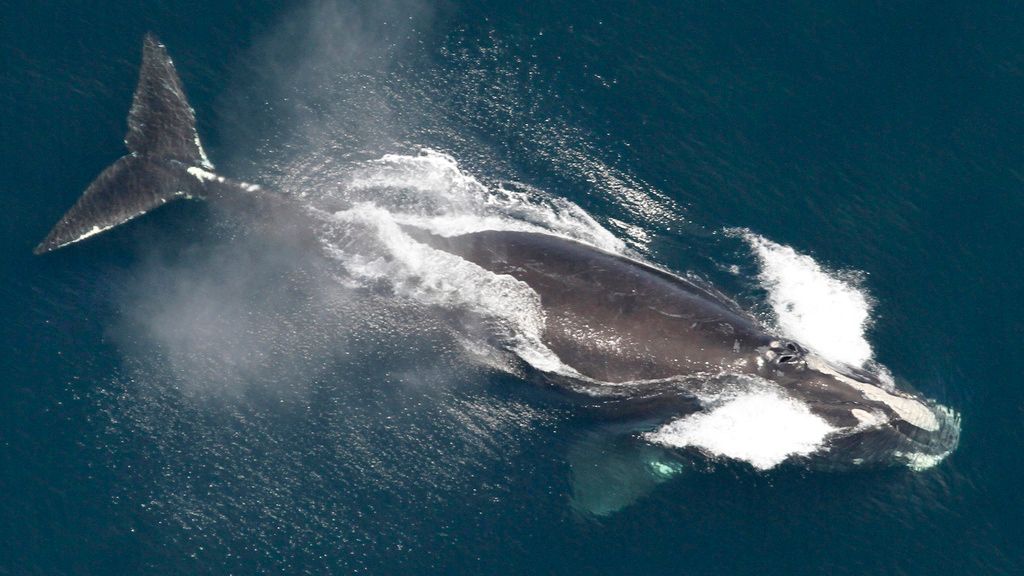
point(875, 421)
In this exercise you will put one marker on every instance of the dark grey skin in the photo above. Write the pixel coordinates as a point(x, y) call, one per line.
point(662, 325)
point(611, 318)
point(614, 319)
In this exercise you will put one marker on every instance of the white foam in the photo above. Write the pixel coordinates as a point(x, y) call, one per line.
point(825, 311)
point(920, 461)
point(431, 192)
point(436, 277)
point(763, 428)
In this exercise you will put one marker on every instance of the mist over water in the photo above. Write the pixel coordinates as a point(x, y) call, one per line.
point(257, 389)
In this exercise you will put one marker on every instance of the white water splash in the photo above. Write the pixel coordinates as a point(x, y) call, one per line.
point(755, 422)
point(823, 310)
point(432, 192)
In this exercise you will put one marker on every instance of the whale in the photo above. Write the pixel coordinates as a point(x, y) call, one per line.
point(653, 345)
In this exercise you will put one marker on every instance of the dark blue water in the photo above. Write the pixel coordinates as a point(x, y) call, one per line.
point(184, 395)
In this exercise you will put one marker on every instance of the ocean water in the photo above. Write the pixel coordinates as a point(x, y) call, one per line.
point(218, 390)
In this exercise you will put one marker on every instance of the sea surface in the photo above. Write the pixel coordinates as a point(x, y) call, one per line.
point(215, 389)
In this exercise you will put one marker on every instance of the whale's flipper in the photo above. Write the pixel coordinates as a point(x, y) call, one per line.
point(611, 472)
point(166, 159)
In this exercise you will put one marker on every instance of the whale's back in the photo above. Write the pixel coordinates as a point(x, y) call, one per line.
point(613, 318)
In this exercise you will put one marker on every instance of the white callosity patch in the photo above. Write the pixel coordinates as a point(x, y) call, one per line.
point(911, 410)
point(867, 420)
point(948, 424)
point(830, 313)
point(822, 310)
point(763, 428)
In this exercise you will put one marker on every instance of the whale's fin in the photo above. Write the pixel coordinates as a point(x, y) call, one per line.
point(160, 122)
point(166, 159)
point(611, 472)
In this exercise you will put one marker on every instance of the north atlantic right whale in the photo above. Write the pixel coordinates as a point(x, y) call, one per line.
point(616, 320)
point(657, 345)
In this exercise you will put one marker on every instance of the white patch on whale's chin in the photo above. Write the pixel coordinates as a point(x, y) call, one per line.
point(762, 428)
point(911, 410)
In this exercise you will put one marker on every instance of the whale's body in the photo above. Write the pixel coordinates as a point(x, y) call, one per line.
point(612, 318)
point(616, 321)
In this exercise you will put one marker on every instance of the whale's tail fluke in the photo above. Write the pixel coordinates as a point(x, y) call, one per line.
point(166, 161)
